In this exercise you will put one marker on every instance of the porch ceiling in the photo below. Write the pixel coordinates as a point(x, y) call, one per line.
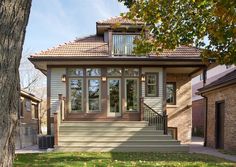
point(191, 71)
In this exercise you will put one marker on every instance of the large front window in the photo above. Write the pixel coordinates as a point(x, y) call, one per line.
point(94, 95)
point(123, 44)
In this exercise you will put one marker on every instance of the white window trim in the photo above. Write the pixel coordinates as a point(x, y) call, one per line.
point(87, 95)
point(76, 111)
point(134, 111)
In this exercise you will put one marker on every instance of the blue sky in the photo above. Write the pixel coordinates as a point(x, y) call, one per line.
point(54, 22)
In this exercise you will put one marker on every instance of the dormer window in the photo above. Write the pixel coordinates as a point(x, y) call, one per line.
point(123, 44)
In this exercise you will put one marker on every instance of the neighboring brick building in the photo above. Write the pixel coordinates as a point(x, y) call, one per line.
point(198, 102)
point(221, 112)
point(29, 120)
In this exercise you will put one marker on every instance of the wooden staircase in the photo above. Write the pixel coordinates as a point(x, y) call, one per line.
point(118, 136)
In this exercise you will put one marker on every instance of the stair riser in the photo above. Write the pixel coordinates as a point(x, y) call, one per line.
point(94, 144)
point(96, 124)
point(105, 133)
point(102, 128)
point(112, 138)
point(126, 149)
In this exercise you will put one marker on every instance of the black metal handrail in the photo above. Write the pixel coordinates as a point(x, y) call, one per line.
point(154, 118)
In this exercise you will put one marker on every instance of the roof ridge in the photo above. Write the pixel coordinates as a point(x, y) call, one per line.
point(112, 17)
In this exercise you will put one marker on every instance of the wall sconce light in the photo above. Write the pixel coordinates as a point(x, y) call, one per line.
point(104, 79)
point(143, 78)
point(63, 78)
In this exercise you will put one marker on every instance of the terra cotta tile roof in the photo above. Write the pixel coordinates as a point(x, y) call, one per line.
point(96, 47)
point(118, 19)
point(87, 46)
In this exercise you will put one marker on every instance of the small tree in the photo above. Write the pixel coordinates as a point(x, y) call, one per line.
point(172, 23)
point(14, 16)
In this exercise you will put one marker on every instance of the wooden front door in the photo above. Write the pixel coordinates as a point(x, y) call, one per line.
point(219, 124)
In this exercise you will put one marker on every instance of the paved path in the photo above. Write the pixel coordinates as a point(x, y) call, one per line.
point(32, 149)
point(196, 146)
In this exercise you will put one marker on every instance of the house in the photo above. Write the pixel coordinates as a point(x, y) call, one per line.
point(29, 125)
point(220, 127)
point(102, 97)
point(198, 102)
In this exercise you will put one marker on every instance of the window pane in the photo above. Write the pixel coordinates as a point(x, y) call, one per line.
point(151, 90)
point(151, 78)
point(94, 94)
point(134, 72)
point(75, 71)
point(132, 94)
point(123, 44)
point(76, 94)
point(170, 93)
point(114, 92)
point(114, 71)
point(93, 72)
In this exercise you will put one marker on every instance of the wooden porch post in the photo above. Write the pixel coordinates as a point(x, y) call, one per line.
point(141, 109)
point(55, 129)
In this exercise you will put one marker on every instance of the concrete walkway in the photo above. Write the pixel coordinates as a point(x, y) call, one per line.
point(32, 149)
point(196, 146)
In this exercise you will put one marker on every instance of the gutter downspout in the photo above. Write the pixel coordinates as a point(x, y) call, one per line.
point(206, 107)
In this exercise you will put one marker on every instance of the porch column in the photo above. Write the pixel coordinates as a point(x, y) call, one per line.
point(165, 116)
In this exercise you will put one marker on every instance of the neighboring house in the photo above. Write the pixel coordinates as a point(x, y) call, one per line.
point(28, 113)
point(96, 84)
point(220, 119)
point(198, 106)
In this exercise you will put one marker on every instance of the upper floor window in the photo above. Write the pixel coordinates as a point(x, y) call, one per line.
point(123, 44)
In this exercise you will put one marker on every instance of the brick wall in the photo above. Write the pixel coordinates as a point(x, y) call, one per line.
point(199, 109)
point(229, 96)
point(180, 115)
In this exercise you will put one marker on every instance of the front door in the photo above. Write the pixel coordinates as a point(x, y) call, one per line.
point(114, 97)
point(219, 127)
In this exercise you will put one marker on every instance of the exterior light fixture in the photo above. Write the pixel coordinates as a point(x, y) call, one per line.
point(143, 78)
point(63, 78)
point(104, 79)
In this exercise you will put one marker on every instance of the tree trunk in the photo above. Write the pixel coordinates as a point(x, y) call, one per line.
point(14, 16)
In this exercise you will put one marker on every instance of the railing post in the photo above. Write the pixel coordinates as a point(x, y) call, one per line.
point(56, 129)
point(165, 117)
point(141, 109)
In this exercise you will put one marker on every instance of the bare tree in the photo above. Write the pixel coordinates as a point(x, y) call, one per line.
point(13, 21)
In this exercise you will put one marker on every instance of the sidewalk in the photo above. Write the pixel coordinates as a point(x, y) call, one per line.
point(32, 149)
point(196, 146)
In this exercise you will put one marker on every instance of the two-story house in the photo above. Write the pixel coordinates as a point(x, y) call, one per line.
point(102, 97)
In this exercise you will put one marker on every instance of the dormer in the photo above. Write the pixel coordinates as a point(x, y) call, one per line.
point(119, 33)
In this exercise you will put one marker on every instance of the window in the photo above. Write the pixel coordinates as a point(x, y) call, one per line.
point(131, 94)
point(76, 95)
point(151, 85)
point(131, 72)
point(75, 72)
point(114, 72)
point(34, 111)
point(93, 95)
point(123, 44)
point(171, 93)
point(93, 72)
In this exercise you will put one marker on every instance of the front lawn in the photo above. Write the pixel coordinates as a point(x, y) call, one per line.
point(119, 159)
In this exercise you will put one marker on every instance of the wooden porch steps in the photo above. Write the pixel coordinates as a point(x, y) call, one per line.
point(119, 136)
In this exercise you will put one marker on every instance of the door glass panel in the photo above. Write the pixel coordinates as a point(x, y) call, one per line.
point(114, 92)
point(76, 94)
point(94, 94)
point(131, 95)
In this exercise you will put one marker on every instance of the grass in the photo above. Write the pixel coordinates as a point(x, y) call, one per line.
point(120, 160)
